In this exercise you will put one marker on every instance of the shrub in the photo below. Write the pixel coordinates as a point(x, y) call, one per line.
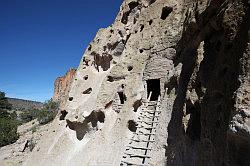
point(50, 105)
point(28, 115)
point(45, 116)
point(34, 128)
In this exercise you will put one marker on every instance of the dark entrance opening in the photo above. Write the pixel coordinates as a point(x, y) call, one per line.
point(153, 85)
point(122, 97)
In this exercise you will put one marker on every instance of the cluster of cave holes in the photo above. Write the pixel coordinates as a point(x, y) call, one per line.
point(165, 12)
point(87, 91)
point(63, 115)
point(132, 125)
point(125, 15)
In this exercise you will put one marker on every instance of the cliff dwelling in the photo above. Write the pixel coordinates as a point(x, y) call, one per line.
point(159, 90)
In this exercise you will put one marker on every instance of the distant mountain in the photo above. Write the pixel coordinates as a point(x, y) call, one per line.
point(21, 104)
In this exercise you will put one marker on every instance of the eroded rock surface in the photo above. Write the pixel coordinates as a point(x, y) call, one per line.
point(166, 84)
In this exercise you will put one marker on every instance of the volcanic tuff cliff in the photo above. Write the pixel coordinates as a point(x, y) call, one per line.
point(166, 84)
point(62, 86)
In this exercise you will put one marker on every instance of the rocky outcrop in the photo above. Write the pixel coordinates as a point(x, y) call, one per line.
point(166, 84)
point(62, 86)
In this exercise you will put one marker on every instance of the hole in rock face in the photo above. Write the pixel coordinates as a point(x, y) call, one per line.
point(165, 12)
point(133, 5)
point(141, 50)
point(151, 2)
point(86, 77)
point(130, 68)
point(94, 117)
point(87, 91)
point(108, 104)
point(132, 126)
point(88, 124)
point(137, 104)
point(100, 116)
point(125, 15)
point(110, 79)
point(112, 46)
point(142, 27)
point(122, 97)
point(70, 98)
point(102, 60)
point(124, 19)
point(153, 85)
point(63, 114)
point(150, 22)
point(90, 47)
point(123, 86)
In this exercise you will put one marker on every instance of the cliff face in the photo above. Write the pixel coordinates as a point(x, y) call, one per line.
point(166, 84)
point(62, 86)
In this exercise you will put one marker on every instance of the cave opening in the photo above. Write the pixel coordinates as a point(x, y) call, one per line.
point(122, 97)
point(132, 125)
point(63, 115)
point(153, 86)
point(165, 12)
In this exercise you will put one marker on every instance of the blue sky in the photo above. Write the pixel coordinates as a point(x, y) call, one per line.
point(41, 39)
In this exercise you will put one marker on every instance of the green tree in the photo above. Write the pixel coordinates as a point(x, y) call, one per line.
point(51, 105)
point(8, 122)
point(4, 104)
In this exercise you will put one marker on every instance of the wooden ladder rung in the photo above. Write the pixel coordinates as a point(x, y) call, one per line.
point(133, 147)
point(137, 155)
